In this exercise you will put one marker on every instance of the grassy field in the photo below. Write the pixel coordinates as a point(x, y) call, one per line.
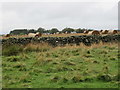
point(42, 66)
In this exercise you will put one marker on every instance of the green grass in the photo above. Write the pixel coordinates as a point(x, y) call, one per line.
point(62, 68)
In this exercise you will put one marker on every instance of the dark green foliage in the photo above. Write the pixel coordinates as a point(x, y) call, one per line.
point(41, 30)
point(53, 30)
point(80, 30)
point(19, 32)
point(68, 30)
point(31, 31)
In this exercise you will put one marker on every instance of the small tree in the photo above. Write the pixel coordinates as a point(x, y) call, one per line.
point(79, 30)
point(54, 30)
point(68, 30)
point(41, 30)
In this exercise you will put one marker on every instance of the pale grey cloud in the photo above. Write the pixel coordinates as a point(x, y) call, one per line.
point(63, 14)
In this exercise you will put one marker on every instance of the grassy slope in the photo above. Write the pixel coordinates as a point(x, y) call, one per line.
point(67, 67)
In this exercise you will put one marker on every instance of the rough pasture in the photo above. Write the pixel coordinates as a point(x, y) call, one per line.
point(42, 66)
point(82, 62)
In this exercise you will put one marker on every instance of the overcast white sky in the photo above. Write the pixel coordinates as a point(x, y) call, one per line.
point(32, 15)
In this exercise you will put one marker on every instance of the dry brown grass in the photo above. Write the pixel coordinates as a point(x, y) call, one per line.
point(63, 35)
point(37, 47)
point(89, 47)
point(45, 46)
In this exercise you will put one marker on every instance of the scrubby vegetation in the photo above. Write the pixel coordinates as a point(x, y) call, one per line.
point(9, 50)
point(42, 66)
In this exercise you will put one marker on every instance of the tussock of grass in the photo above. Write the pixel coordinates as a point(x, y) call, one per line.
point(20, 66)
point(25, 78)
point(77, 78)
point(14, 58)
point(40, 60)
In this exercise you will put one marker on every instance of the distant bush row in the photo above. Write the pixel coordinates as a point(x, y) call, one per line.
point(51, 31)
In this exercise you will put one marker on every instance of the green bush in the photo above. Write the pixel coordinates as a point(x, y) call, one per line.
point(11, 50)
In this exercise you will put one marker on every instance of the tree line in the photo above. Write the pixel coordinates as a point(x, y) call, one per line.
point(51, 31)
